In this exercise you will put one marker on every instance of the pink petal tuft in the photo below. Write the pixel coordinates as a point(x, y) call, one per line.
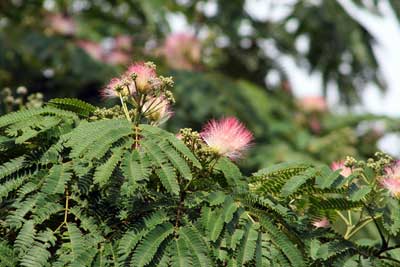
point(336, 165)
point(391, 180)
point(321, 223)
point(228, 136)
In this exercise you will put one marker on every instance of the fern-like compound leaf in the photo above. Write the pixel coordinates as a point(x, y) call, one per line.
point(77, 106)
point(147, 249)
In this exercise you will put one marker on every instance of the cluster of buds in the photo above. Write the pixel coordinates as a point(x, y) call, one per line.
point(115, 112)
point(387, 169)
point(379, 163)
point(146, 92)
point(19, 99)
point(193, 140)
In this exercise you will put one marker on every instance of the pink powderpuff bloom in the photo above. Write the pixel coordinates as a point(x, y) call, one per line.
point(336, 165)
point(116, 58)
point(123, 42)
point(158, 109)
point(62, 24)
point(182, 51)
point(228, 137)
point(110, 91)
point(313, 104)
point(391, 180)
point(95, 50)
point(145, 75)
point(321, 223)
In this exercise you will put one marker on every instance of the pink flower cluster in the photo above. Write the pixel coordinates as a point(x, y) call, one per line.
point(391, 179)
point(228, 137)
point(140, 79)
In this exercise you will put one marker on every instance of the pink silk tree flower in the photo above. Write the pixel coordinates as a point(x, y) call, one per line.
point(336, 165)
point(145, 76)
point(228, 136)
point(391, 180)
point(313, 104)
point(62, 24)
point(123, 42)
point(117, 58)
point(114, 88)
point(321, 223)
point(95, 50)
point(158, 109)
point(182, 51)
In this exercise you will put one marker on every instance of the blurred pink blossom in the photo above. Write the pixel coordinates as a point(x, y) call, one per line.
point(123, 42)
point(62, 24)
point(117, 58)
point(391, 179)
point(119, 53)
point(313, 104)
point(182, 51)
point(228, 137)
point(94, 49)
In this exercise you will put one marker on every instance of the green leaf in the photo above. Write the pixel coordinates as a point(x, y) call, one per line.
point(247, 246)
point(327, 177)
point(295, 182)
point(55, 182)
point(216, 198)
point(166, 172)
point(25, 237)
point(215, 224)
point(229, 208)
point(12, 167)
point(72, 104)
point(147, 249)
point(178, 144)
point(230, 170)
point(104, 172)
point(180, 254)
point(178, 162)
point(197, 247)
point(283, 242)
point(360, 192)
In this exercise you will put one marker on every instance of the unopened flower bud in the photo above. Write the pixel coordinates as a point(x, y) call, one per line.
point(6, 91)
point(9, 100)
point(22, 90)
point(18, 101)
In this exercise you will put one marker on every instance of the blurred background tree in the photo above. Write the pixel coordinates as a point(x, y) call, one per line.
point(71, 48)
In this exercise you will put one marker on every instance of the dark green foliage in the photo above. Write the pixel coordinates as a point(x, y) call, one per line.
point(80, 192)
